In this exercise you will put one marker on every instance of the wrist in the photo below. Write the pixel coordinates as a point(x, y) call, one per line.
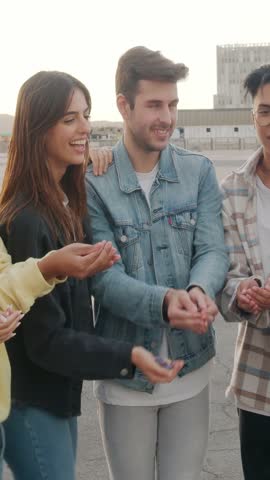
point(165, 305)
point(135, 354)
point(48, 267)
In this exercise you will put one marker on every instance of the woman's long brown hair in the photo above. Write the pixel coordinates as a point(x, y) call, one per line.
point(28, 180)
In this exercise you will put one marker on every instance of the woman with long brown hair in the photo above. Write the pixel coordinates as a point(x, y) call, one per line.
point(43, 206)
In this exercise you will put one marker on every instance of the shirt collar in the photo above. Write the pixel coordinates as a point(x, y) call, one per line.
point(127, 177)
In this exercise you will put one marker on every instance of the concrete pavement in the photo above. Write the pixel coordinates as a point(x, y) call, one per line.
point(223, 457)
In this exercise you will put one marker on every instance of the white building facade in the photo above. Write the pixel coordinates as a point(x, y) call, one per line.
point(215, 129)
point(234, 63)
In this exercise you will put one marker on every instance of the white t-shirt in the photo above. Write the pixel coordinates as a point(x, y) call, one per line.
point(188, 386)
point(263, 224)
point(263, 229)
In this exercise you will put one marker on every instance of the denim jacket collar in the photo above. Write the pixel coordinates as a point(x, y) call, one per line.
point(127, 178)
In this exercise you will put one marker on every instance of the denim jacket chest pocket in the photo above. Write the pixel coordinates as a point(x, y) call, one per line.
point(128, 243)
point(182, 227)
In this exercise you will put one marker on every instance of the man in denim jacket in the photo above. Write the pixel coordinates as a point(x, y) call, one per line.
point(160, 206)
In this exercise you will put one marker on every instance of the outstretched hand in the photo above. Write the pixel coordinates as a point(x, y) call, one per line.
point(146, 362)
point(78, 260)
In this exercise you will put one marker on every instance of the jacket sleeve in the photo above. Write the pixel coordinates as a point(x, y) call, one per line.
point(239, 270)
point(21, 283)
point(48, 341)
point(112, 287)
point(210, 261)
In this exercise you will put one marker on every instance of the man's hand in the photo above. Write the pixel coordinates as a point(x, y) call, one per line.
point(78, 260)
point(9, 321)
point(155, 373)
point(101, 159)
point(183, 313)
point(259, 297)
point(205, 305)
point(246, 296)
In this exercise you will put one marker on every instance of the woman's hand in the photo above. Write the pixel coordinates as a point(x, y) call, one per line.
point(101, 159)
point(155, 373)
point(101, 260)
point(9, 321)
point(78, 260)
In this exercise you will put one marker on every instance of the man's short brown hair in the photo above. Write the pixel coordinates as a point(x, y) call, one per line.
point(140, 63)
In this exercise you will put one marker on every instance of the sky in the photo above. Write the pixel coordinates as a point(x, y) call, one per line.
point(86, 38)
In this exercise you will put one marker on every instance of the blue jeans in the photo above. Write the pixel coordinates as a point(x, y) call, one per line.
point(39, 445)
point(2, 447)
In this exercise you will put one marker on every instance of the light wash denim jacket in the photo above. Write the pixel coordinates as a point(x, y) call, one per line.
point(176, 243)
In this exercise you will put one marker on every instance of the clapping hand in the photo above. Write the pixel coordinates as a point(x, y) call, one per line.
point(205, 305)
point(244, 296)
point(192, 310)
point(258, 297)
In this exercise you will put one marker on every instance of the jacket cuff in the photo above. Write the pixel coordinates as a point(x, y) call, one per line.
point(193, 285)
point(123, 366)
point(158, 307)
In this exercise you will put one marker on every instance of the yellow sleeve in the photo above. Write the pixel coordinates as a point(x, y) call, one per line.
point(5, 259)
point(21, 283)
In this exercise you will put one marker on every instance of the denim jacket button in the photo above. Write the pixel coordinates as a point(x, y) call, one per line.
point(123, 238)
point(124, 372)
point(192, 221)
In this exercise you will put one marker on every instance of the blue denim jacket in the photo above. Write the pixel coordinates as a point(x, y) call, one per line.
point(176, 243)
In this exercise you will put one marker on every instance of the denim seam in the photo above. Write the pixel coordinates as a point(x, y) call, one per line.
point(3, 443)
point(37, 450)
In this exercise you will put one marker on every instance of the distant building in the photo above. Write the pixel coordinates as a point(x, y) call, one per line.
point(234, 63)
point(106, 135)
point(215, 129)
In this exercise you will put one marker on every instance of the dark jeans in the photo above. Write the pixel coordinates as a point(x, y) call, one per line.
point(255, 445)
point(40, 446)
point(2, 447)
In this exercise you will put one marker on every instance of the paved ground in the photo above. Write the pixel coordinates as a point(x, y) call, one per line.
point(222, 462)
